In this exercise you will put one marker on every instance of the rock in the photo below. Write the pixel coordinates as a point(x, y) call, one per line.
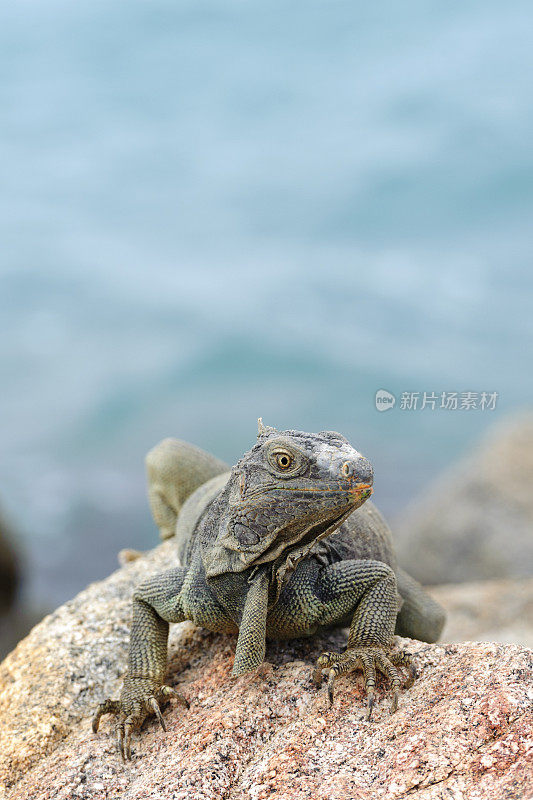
point(72, 657)
point(461, 731)
point(476, 522)
point(495, 611)
point(16, 624)
point(127, 555)
point(9, 566)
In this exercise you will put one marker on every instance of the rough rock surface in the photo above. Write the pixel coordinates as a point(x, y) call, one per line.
point(463, 730)
point(476, 522)
point(490, 611)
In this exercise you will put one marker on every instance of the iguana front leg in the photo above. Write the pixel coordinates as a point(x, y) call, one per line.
point(156, 602)
point(362, 591)
point(371, 587)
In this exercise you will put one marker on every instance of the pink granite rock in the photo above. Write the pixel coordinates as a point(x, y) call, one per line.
point(463, 731)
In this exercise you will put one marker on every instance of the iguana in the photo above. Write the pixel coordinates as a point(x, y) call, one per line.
point(280, 546)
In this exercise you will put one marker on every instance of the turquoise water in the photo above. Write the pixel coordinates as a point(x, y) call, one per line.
point(214, 211)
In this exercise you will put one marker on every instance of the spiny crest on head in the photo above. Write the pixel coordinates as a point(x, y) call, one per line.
point(264, 430)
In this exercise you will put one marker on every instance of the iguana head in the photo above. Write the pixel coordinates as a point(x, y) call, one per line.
point(290, 490)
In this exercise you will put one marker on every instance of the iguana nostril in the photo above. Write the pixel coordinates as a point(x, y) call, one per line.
point(359, 469)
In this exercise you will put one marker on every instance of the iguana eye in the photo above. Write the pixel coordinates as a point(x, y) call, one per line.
point(283, 460)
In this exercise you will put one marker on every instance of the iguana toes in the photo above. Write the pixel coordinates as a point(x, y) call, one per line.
point(280, 546)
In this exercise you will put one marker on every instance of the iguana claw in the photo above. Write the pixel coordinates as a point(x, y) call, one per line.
point(138, 700)
point(369, 659)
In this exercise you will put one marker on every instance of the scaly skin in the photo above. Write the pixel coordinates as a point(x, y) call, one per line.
point(279, 547)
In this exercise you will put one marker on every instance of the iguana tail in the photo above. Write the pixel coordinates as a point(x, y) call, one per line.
point(420, 617)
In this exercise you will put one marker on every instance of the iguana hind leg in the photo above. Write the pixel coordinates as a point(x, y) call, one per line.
point(420, 617)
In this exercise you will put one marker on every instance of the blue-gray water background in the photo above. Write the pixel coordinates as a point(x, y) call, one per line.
point(212, 211)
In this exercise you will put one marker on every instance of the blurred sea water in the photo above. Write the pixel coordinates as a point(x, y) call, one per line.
point(216, 211)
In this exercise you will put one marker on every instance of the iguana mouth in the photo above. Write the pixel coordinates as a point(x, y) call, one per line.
point(354, 488)
point(363, 490)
